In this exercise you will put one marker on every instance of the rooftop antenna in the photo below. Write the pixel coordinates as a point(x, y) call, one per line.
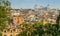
point(35, 6)
point(48, 5)
point(48, 8)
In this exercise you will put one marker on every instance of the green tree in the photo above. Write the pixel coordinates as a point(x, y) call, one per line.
point(58, 23)
point(51, 30)
point(4, 13)
point(39, 31)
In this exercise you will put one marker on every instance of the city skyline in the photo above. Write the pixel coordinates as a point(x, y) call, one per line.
point(25, 4)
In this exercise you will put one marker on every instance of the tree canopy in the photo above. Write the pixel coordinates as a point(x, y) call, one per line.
point(4, 13)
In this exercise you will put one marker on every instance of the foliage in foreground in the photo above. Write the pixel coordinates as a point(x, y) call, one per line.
point(4, 13)
point(40, 30)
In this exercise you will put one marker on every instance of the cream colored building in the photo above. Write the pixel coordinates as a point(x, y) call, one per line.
point(11, 32)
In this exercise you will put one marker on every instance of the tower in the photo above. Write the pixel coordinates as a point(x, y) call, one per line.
point(17, 18)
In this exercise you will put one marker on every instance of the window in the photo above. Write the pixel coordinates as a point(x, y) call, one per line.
point(11, 31)
point(15, 18)
point(5, 35)
point(5, 31)
point(11, 35)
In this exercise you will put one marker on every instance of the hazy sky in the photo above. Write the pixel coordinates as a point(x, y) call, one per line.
point(31, 3)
